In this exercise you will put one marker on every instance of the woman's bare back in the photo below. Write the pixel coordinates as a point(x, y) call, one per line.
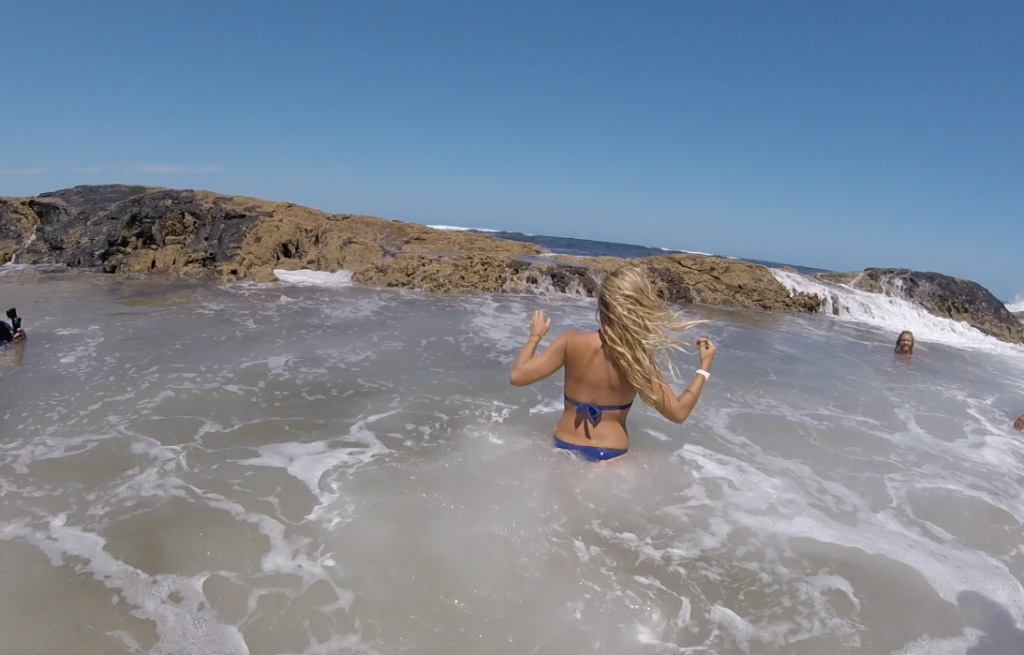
point(598, 392)
point(592, 377)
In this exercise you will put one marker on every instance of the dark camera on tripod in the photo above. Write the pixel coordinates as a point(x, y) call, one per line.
point(12, 314)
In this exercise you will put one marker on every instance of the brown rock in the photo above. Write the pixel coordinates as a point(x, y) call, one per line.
point(143, 231)
point(685, 278)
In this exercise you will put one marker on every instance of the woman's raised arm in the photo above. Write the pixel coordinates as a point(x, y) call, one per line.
point(528, 369)
point(677, 408)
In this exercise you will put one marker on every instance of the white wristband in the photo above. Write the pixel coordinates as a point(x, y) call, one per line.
point(701, 371)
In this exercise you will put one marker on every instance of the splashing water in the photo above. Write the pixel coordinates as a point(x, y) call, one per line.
point(327, 469)
point(893, 314)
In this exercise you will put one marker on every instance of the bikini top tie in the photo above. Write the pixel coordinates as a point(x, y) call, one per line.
point(593, 412)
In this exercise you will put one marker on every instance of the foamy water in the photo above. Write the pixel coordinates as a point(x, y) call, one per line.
point(893, 314)
point(315, 467)
point(457, 228)
point(689, 252)
point(315, 278)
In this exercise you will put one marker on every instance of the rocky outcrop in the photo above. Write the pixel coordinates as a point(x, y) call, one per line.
point(720, 281)
point(140, 230)
point(123, 229)
point(942, 295)
point(685, 278)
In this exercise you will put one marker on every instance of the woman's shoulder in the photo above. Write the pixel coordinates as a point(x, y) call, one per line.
point(577, 334)
point(578, 338)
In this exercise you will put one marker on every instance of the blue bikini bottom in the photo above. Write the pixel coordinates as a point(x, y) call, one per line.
point(589, 453)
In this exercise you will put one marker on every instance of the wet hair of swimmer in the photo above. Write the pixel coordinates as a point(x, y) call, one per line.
point(905, 343)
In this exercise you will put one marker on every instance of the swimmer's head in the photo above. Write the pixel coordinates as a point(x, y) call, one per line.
point(905, 343)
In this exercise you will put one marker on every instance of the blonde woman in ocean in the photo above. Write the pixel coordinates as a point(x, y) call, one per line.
point(605, 370)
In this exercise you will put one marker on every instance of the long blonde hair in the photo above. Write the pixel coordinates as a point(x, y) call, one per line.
point(635, 326)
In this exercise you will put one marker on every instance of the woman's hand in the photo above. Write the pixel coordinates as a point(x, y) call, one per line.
point(678, 408)
point(539, 326)
point(1019, 423)
point(707, 351)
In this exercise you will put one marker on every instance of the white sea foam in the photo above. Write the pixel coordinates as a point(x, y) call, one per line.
point(770, 505)
point(548, 406)
point(176, 604)
point(308, 278)
point(501, 325)
point(893, 314)
point(298, 486)
point(457, 228)
point(954, 646)
point(1017, 305)
point(10, 268)
point(688, 252)
point(81, 345)
point(309, 462)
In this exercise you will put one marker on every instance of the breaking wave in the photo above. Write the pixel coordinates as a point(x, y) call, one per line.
point(458, 228)
point(892, 314)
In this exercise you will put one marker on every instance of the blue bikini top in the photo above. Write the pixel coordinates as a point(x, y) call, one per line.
point(593, 412)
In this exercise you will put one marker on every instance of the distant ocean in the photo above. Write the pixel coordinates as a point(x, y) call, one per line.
point(319, 468)
point(588, 248)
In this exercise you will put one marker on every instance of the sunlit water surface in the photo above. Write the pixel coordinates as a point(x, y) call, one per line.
point(294, 469)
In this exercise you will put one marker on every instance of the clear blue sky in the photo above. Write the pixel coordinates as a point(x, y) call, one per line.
point(837, 135)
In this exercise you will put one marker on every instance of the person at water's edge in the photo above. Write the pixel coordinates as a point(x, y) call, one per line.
point(605, 370)
point(7, 334)
point(905, 343)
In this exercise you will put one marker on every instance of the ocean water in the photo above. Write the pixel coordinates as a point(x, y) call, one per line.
point(591, 248)
point(316, 467)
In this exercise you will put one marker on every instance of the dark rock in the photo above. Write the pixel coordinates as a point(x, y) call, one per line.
point(672, 287)
point(18, 224)
point(210, 230)
point(92, 199)
point(562, 277)
point(54, 219)
point(12, 219)
point(138, 230)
